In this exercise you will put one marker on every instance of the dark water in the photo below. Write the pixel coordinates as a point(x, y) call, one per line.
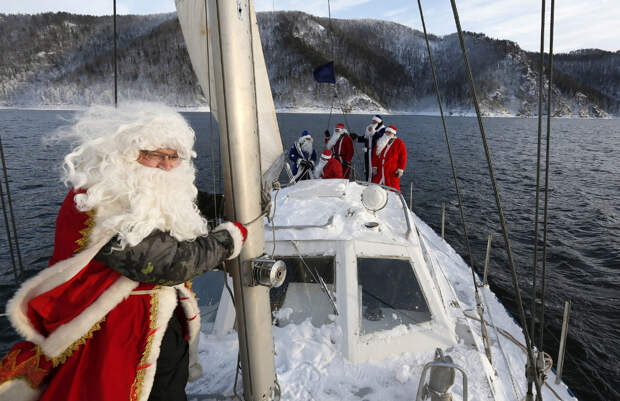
point(583, 258)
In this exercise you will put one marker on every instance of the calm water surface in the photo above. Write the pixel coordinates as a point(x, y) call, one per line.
point(583, 256)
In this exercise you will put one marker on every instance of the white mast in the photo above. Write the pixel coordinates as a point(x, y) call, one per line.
point(232, 51)
point(235, 91)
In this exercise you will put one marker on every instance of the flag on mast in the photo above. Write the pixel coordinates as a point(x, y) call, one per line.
point(325, 73)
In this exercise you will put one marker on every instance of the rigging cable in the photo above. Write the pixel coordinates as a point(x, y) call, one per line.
point(480, 306)
point(538, 155)
point(115, 65)
point(544, 258)
point(211, 131)
point(331, 39)
point(6, 221)
point(496, 194)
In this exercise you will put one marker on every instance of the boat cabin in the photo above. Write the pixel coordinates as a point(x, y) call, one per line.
point(354, 258)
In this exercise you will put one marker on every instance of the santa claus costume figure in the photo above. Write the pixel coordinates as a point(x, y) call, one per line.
point(328, 167)
point(113, 317)
point(372, 133)
point(389, 159)
point(302, 157)
point(340, 145)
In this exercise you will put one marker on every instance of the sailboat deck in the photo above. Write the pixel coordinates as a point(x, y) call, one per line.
point(333, 210)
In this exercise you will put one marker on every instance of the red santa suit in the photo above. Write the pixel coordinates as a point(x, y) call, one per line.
point(341, 147)
point(99, 330)
point(390, 161)
point(329, 166)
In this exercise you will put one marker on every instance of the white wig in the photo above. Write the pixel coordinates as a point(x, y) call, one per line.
point(129, 198)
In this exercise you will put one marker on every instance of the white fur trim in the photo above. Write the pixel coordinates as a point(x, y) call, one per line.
point(65, 335)
point(46, 280)
point(166, 303)
point(62, 338)
point(400, 170)
point(18, 390)
point(192, 313)
point(236, 235)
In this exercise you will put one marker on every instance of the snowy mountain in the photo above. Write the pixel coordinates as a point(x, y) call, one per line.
point(60, 59)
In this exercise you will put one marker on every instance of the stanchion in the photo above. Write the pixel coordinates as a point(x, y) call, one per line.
point(443, 219)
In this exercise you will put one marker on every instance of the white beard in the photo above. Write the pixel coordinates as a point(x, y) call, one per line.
point(319, 168)
point(332, 141)
point(133, 200)
point(370, 131)
point(382, 142)
point(306, 146)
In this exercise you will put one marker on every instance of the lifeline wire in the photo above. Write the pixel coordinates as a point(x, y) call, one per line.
point(496, 194)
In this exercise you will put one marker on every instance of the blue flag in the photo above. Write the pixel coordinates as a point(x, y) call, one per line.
point(325, 73)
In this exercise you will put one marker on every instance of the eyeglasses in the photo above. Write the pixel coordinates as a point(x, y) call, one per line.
point(158, 157)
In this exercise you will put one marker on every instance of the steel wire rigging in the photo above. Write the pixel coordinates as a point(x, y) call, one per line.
point(538, 152)
point(479, 304)
point(14, 250)
point(530, 353)
point(547, 162)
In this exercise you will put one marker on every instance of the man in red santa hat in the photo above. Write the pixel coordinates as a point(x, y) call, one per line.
point(340, 145)
point(113, 317)
point(328, 167)
point(389, 159)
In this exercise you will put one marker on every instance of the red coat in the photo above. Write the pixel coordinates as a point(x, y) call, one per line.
point(333, 169)
point(101, 330)
point(343, 151)
point(392, 158)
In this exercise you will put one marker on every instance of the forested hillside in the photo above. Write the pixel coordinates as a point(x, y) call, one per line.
point(60, 59)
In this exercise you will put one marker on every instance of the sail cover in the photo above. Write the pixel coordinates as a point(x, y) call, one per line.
point(193, 18)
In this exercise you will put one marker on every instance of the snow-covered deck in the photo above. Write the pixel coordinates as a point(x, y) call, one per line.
point(336, 360)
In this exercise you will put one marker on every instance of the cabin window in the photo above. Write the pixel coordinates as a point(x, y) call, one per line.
point(302, 296)
point(390, 295)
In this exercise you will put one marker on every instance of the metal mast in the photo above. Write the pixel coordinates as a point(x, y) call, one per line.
point(235, 92)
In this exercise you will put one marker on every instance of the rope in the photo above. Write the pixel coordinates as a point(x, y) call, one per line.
point(540, 101)
point(277, 186)
point(496, 194)
point(454, 175)
point(545, 218)
point(6, 221)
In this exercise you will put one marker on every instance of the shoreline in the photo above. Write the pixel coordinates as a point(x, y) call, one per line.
point(308, 110)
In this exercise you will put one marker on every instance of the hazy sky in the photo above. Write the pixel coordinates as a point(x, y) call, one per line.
point(578, 24)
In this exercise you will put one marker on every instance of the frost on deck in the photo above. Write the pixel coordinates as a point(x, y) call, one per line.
point(310, 363)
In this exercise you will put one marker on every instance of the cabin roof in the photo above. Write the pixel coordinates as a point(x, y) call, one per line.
point(333, 210)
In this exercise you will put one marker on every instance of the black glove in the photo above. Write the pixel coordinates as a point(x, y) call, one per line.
point(306, 164)
point(353, 135)
point(327, 134)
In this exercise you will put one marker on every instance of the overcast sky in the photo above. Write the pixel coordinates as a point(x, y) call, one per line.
point(578, 24)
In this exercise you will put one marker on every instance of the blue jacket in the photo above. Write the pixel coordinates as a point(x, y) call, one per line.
point(296, 153)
